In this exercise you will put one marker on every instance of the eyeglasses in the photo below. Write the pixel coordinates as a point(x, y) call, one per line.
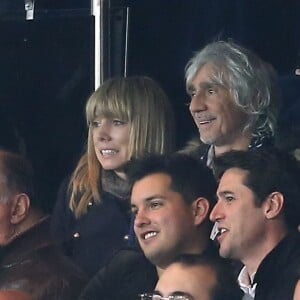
point(150, 296)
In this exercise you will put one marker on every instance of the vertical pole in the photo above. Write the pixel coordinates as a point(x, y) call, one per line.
point(29, 9)
point(97, 6)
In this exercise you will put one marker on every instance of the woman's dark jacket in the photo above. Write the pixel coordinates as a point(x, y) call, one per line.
point(93, 238)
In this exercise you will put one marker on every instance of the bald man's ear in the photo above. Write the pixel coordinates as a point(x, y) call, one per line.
point(19, 208)
point(200, 208)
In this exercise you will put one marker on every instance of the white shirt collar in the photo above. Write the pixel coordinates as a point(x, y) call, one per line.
point(246, 283)
point(210, 156)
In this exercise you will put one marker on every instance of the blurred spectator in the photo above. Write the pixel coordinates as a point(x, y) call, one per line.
point(288, 136)
point(29, 260)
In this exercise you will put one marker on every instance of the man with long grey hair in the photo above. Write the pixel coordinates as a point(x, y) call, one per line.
point(234, 100)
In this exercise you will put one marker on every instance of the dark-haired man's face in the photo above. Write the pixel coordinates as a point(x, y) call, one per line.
point(241, 223)
point(164, 223)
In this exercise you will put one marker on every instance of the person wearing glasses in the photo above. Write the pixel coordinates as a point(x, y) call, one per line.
point(196, 277)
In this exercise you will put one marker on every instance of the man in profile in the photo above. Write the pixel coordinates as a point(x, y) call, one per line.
point(29, 261)
point(257, 214)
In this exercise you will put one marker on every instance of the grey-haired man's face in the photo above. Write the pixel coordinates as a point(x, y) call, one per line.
point(218, 118)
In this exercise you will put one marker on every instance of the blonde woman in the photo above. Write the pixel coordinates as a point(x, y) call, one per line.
point(127, 117)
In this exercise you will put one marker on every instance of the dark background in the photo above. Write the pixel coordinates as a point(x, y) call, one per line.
point(47, 64)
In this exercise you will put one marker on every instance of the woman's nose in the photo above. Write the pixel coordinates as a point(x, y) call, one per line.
point(103, 132)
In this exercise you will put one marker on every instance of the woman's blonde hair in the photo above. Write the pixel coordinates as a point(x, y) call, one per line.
point(145, 106)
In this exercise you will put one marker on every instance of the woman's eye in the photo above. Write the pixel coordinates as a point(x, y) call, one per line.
point(118, 122)
point(95, 124)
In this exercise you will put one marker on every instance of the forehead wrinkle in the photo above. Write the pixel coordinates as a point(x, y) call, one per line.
point(205, 84)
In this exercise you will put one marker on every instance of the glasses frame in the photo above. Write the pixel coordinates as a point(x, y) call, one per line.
point(154, 296)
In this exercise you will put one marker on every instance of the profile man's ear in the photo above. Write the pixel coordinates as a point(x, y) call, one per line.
point(200, 208)
point(273, 205)
point(19, 208)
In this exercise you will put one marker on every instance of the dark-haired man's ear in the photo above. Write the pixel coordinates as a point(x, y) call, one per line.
point(200, 209)
point(19, 208)
point(273, 205)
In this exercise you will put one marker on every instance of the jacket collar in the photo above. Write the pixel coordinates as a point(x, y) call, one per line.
point(36, 237)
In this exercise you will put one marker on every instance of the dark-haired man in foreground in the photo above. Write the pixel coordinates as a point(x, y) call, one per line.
point(171, 199)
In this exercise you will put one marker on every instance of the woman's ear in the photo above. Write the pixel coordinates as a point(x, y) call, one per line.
point(200, 208)
point(273, 205)
point(19, 208)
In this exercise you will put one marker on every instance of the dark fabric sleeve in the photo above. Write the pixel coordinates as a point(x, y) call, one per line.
point(127, 274)
point(59, 290)
point(62, 219)
point(95, 287)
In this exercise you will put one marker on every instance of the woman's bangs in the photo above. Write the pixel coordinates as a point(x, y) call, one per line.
point(111, 107)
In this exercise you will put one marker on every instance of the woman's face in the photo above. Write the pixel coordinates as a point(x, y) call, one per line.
point(111, 142)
